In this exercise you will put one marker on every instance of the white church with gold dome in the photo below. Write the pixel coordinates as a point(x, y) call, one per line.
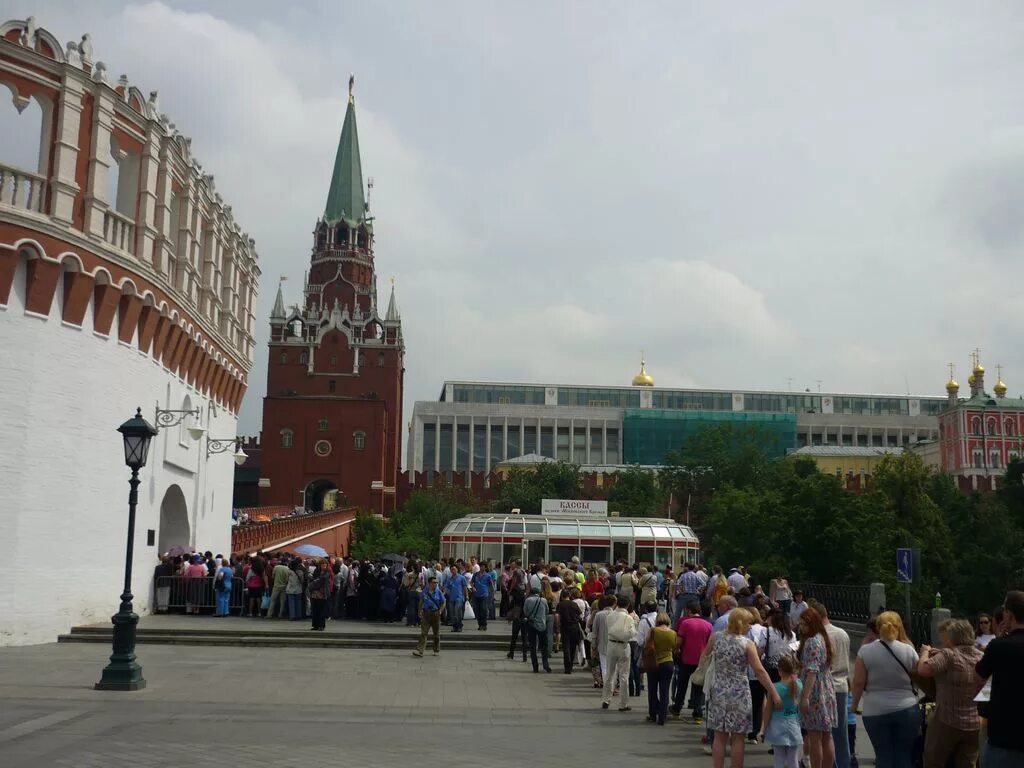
point(475, 425)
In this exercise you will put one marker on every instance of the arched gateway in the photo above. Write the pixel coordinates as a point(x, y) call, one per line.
point(174, 527)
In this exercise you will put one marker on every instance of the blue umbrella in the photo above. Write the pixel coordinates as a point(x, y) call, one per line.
point(311, 550)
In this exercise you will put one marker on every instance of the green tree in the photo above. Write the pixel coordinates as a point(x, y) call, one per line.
point(716, 455)
point(904, 482)
point(636, 492)
point(415, 528)
point(525, 487)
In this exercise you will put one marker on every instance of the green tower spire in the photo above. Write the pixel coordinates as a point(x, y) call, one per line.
point(346, 201)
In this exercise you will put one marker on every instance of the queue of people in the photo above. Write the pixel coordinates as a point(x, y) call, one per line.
point(776, 670)
point(748, 666)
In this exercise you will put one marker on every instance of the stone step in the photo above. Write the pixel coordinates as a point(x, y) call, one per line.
point(285, 638)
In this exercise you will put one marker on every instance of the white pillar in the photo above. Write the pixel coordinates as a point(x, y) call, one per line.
point(437, 444)
point(63, 186)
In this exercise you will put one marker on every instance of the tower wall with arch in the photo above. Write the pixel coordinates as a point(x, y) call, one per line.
point(109, 300)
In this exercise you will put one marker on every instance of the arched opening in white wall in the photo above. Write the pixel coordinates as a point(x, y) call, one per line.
point(174, 527)
point(21, 125)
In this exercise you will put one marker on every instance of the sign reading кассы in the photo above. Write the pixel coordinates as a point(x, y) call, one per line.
point(579, 507)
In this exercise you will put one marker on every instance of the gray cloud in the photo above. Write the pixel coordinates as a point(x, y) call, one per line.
point(795, 191)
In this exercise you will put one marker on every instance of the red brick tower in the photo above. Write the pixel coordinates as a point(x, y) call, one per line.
point(332, 416)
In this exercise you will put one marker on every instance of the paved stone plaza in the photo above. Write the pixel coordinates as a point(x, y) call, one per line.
point(299, 707)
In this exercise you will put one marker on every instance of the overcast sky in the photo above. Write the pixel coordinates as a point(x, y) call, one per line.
point(751, 193)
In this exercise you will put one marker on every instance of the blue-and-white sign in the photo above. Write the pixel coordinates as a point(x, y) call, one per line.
point(905, 565)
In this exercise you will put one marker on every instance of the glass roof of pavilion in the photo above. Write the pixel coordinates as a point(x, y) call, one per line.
point(607, 527)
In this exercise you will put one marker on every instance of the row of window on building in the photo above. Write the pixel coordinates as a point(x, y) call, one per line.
point(304, 359)
point(995, 459)
point(876, 439)
point(992, 426)
point(288, 436)
point(459, 449)
point(609, 397)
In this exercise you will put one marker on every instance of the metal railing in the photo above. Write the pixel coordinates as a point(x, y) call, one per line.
point(919, 627)
point(22, 189)
point(119, 230)
point(175, 594)
point(844, 602)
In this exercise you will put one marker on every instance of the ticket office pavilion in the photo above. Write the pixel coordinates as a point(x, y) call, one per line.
point(595, 540)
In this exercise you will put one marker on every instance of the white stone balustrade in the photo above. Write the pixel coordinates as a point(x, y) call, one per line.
point(22, 189)
point(119, 231)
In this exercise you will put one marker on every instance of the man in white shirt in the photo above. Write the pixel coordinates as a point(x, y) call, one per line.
point(840, 642)
point(535, 579)
point(758, 635)
point(797, 608)
point(736, 580)
point(621, 630)
point(599, 632)
point(647, 621)
point(702, 579)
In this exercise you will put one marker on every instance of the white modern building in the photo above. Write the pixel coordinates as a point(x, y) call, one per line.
point(476, 425)
point(124, 283)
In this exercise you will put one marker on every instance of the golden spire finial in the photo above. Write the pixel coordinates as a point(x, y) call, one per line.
point(392, 281)
point(351, 88)
point(643, 379)
point(979, 369)
point(952, 386)
point(1000, 385)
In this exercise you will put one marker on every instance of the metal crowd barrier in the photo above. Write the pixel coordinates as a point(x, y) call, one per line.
point(175, 594)
point(844, 602)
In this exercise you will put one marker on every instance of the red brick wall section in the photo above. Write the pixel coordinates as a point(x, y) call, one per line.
point(129, 309)
point(105, 298)
point(42, 279)
point(77, 294)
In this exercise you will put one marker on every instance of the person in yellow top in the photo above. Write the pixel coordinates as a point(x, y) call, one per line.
point(661, 642)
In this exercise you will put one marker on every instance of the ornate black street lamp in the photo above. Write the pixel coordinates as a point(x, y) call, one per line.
point(123, 673)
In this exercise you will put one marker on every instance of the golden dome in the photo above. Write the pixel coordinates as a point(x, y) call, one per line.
point(970, 380)
point(1000, 388)
point(979, 370)
point(643, 379)
point(952, 386)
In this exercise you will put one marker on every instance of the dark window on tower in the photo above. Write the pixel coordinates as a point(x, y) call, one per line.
point(334, 360)
point(284, 358)
point(303, 358)
point(332, 386)
point(322, 425)
point(380, 359)
point(287, 437)
point(359, 440)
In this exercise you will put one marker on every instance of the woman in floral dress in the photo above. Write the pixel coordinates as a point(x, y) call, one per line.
point(818, 701)
point(730, 714)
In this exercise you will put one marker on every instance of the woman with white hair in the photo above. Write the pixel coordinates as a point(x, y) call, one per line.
point(954, 729)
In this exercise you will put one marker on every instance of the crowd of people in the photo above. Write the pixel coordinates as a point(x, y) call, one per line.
point(748, 666)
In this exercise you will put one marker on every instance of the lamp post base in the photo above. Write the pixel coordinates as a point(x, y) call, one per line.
point(130, 680)
point(123, 673)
